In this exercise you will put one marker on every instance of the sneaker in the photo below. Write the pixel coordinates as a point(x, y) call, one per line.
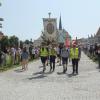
point(50, 69)
point(44, 70)
point(76, 73)
point(64, 71)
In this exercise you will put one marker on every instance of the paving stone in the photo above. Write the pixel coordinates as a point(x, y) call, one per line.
point(33, 85)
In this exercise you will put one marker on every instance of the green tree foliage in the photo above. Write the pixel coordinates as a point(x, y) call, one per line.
point(9, 42)
point(13, 40)
point(27, 42)
point(4, 42)
point(21, 44)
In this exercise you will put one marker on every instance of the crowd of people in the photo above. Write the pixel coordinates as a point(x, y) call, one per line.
point(63, 55)
point(49, 55)
point(93, 51)
point(13, 55)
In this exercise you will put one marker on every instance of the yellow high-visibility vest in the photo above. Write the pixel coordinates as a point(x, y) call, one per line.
point(74, 53)
point(44, 52)
point(52, 52)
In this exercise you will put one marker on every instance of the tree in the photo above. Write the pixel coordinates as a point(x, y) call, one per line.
point(4, 43)
point(27, 42)
point(21, 44)
point(14, 41)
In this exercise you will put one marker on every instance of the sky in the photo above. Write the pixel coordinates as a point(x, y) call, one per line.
point(23, 18)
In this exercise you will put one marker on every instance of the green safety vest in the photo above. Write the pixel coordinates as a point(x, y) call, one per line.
point(74, 53)
point(52, 52)
point(44, 52)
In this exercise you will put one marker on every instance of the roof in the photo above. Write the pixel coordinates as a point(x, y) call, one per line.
point(98, 32)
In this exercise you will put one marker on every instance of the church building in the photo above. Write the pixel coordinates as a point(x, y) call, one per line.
point(53, 35)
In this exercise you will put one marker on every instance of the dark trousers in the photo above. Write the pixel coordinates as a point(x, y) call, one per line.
point(43, 60)
point(64, 62)
point(99, 64)
point(75, 65)
point(52, 62)
point(99, 61)
point(33, 56)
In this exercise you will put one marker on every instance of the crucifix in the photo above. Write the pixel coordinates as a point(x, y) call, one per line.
point(49, 14)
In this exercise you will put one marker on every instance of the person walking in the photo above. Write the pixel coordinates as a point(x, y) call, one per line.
point(74, 55)
point(98, 53)
point(58, 54)
point(33, 53)
point(24, 59)
point(43, 55)
point(0, 57)
point(47, 61)
point(65, 56)
point(79, 49)
point(52, 54)
point(60, 48)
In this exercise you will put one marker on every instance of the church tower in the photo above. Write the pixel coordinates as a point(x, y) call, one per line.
point(60, 23)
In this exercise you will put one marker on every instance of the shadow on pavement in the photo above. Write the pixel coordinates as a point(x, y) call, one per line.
point(37, 77)
point(60, 73)
point(18, 70)
point(41, 72)
point(59, 65)
point(40, 66)
point(71, 75)
point(97, 67)
point(48, 72)
point(38, 73)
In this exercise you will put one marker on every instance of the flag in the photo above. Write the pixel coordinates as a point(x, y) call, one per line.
point(74, 42)
point(67, 41)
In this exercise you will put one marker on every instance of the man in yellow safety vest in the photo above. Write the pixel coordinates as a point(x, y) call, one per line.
point(43, 55)
point(74, 55)
point(52, 55)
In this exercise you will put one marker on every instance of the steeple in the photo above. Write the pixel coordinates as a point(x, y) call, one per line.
point(60, 24)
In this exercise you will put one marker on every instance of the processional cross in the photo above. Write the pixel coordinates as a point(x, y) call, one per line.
point(49, 14)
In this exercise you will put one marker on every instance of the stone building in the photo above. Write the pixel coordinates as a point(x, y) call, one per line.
point(63, 36)
point(97, 36)
point(91, 40)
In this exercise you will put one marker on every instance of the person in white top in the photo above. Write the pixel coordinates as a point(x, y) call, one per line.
point(33, 53)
